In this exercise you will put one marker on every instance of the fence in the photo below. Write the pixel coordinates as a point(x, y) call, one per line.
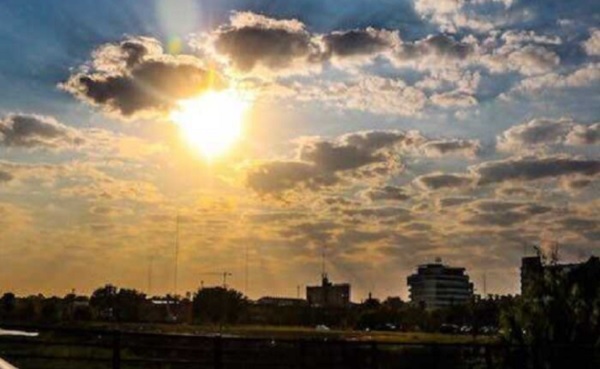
point(101, 349)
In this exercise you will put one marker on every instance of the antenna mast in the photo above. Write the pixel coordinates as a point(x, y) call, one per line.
point(150, 262)
point(323, 270)
point(175, 274)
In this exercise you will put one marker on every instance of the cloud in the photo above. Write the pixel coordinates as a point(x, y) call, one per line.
point(440, 48)
point(359, 43)
point(135, 78)
point(252, 40)
point(440, 148)
point(447, 202)
point(584, 135)
point(533, 168)
point(386, 193)
point(5, 176)
point(539, 133)
point(592, 44)
point(440, 181)
point(586, 76)
point(37, 131)
point(321, 163)
point(278, 176)
point(454, 99)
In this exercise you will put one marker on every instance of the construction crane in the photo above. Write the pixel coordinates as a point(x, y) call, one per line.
point(222, 274)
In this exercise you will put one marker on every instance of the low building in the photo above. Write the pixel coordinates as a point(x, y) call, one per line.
point(328, 294)
point(436, 286)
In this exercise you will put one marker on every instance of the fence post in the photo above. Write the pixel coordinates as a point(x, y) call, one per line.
point(374, 356)
point(488, 357)
point(218, 352)
point(116, 348)
point(302, 352)
point(435, 355)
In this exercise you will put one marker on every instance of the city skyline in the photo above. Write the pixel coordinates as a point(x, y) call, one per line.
point(253, 135)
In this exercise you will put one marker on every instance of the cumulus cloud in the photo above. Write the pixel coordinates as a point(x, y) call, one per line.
point(135, 77)
point(539, 133)
point(439, 48)
point(585, 76)
point(584, 135)
point(533, 168)
point(440, 181)
point(439, 148)
point(359, 43)
point(37, 131)
point(319, 163)
point(386, 193)
point(251, 40)
point(367, 93)
point(592, 44)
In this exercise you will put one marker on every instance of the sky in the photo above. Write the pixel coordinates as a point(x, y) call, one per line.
point(381, 133)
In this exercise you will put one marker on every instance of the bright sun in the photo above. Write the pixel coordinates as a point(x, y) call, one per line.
point(213, 121)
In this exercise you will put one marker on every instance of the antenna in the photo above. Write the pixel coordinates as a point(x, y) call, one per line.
point(150, 262)
point(246, 269)
point(175, 274)
point(323, 256)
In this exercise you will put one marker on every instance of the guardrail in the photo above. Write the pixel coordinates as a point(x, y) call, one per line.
point(69, 348)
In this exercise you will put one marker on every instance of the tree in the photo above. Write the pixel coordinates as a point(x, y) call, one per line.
point(219, 305)
point(8, 303)
point(560, 307)
point(104, 300)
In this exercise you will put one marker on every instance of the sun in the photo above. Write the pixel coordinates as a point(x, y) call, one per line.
point(212, 122)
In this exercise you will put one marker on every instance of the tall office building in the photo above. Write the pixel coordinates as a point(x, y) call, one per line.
point(437, 285)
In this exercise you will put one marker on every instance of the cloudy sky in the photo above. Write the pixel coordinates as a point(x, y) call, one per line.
point(386, 132)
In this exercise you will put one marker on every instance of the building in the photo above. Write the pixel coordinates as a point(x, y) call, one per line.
point(436, 286)
point(280, 301)
point(532, 269)
point(328, 294)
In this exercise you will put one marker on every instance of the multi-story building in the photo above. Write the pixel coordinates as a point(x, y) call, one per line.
point(532, 269)
point(436, 286)
point(328, 294)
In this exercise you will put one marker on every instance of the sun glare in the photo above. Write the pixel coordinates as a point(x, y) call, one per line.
point(213, 121)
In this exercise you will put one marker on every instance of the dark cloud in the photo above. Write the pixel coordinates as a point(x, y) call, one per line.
point(441, 46)
point(386, 193)
point(34, 131)
point(438, 181)
point(136, 77)
point(5, 176)
point(327, 162)
point(279, 176)
point(380, 212)
point(468, 148)
point(359, 42)
point(251, 40)
point(453, 201)
point(533, 168)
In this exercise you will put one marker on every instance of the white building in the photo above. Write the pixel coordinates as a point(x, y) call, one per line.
point(436, 286)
